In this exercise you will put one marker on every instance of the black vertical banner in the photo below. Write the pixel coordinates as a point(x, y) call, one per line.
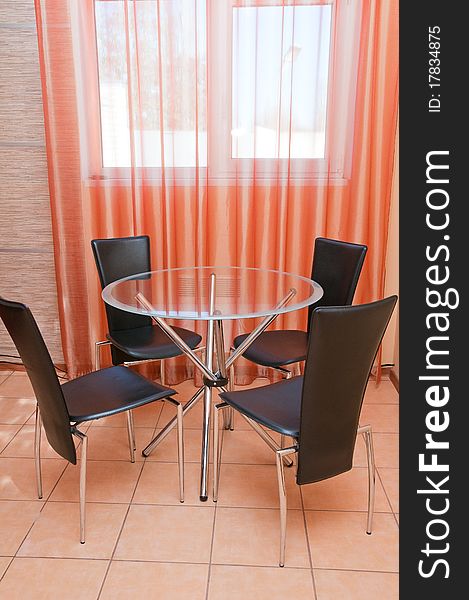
point(434, 365)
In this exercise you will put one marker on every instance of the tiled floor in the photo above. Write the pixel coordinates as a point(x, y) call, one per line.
point(142, 543)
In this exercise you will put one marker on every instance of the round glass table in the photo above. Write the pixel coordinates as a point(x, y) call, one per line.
point(211, 294)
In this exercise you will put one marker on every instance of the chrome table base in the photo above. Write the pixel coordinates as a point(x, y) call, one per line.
point(217, 379)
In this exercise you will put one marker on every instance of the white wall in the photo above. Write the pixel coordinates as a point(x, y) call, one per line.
point(391, 340)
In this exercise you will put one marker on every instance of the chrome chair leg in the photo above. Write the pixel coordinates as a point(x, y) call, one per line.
point(285, 373)
point(231, 387)
point(37, 452)
point(267, 439)
point(131, 435)
point(217, 447)
point(283, 506)
point(97, 353)
point(162, 373)
point(84, 448)
point(132, 425)
point(180, 452)
point(280, 456)
point(368, 436)
point(228, 414)
point(180, 435)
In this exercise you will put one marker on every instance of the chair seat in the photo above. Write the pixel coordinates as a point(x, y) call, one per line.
point(275, 406)
point(276, 348)
point(114, 390)
point(151, 342)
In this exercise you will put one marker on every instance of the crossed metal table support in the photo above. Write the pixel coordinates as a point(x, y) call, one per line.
point(211, 378)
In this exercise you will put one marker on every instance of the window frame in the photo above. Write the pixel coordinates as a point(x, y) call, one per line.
point(221, 167)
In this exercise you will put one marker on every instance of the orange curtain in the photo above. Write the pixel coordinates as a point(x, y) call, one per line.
point(231, 132)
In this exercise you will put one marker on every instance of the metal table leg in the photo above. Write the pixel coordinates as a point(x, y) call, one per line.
point(214, 335)
point(207, 398)
point(172, 424)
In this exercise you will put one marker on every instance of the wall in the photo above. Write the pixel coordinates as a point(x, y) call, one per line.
point(391, 340)
point(26, 255)
point(27, 270)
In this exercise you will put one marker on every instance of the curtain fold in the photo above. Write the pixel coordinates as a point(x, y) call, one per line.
point(232, 133)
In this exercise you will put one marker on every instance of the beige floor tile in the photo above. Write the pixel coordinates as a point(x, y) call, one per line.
point(240, 424)
point(159, 484)
point(4, 375)
point(383, 393)
point(23, 445)
point(4, 562)
point(7, 433)
point(185, 390)
point(17, 386)
point(16, 411)
point(386, 446)
point(145, 416)
point(158, 528)
point(348, 491)
point(158, 581)
point(112, 443)
point(106, 481)
point(18, 477)
point(338, 540)
point(57, 531)
point(353, 585)
point(192, 420)
point(166, 451)
point(255, 486)
point(250, 536)
point(390, 479)
point(50, 578)
point(16, 518)
point(262, 583)
point(166, 533)
point(246, 447)
point(383, 418)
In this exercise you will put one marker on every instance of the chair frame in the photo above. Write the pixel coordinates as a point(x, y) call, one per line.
point(285, 453)
point(83, 438)
point(97, 358)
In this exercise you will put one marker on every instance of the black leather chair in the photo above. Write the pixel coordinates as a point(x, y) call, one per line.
point(336, 267)
point(133, 338)
point(321, 409)
point(62, 408)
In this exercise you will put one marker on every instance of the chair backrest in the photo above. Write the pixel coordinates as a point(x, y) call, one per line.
point(28, 340)
point(117, 258)
point(343, 344)
point(336, 267)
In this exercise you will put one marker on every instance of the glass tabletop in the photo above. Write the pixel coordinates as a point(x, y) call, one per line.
point(238, 292)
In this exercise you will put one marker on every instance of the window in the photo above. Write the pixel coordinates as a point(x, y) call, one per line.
point(280, 68)
point(268, 88)
point(142, 58)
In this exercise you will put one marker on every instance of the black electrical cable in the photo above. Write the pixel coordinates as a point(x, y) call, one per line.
point(10, 362)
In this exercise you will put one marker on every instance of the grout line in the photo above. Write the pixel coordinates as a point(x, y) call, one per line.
point(209, 573)
point(44, 501)
point(357, 570)
point(118, 560)
point(387, 497)
point(123, 522)
point(308, 545)
point(8, 566)
point(14, 436)
point(272, 566)
point(384, 488)
point(142, 463)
